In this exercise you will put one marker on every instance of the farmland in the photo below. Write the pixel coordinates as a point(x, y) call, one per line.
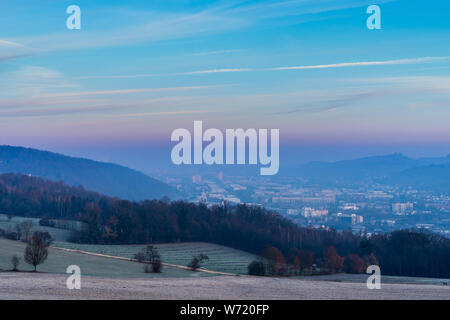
point(57, 233)
point(108, 278)
point(52, 286)
point(58, 261)
point(113, 278)
point(223, 259)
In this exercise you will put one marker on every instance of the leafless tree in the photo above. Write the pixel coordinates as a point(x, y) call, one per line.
point(196, 261)
point(15, 262)
point(18, 230)
point(152, 259)
point(36, 251)
point(26, 228)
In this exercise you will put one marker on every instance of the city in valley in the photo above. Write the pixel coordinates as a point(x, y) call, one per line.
point(365, 208)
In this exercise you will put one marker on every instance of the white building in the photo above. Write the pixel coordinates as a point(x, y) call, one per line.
point(402, 208)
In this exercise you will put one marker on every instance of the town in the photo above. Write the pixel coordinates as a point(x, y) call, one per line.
point(360, 208)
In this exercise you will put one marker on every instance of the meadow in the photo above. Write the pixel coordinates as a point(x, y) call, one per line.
point(58, 261)
point(58, 234)
point(221, 258)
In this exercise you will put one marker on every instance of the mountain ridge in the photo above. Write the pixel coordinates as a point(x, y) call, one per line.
point(104, 177)
point(364, 169)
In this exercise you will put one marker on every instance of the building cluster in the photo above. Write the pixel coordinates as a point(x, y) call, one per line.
point(372, 208)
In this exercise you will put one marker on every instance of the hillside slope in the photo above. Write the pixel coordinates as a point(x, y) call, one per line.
point(107, 178)
point(58, 261)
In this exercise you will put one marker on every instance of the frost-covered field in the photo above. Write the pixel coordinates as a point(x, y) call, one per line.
point(51, 286)
point(221, 258)
point(106, 278)
point(57, 233)
point(58, 261)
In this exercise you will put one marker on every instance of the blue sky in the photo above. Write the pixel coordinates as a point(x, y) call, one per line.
point(139, 69)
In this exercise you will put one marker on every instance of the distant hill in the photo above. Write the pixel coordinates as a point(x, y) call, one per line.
point(106, 178)
point(362, 169)
point(433, 177)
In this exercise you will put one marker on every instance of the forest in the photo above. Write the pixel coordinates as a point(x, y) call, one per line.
point(108, 220)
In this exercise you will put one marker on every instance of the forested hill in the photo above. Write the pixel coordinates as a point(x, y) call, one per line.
point(253, 229)
point(106, 178)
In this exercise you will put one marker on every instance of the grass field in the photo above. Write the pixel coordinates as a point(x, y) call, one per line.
point(221, 258)
point(58, 261)
point(15, 285)
point(57, 233)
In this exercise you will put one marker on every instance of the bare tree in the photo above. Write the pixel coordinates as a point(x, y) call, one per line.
point(26, 228)
point(18, 231)
point(196, 261)
point(151, 257)
point(36, 251)
point(15, 262)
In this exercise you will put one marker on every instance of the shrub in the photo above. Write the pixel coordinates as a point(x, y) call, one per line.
point(197, 261)
point(257, 268)
point(46, 222)
point(156, 266)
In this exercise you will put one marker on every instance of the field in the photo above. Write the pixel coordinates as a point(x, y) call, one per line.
point(57, 233)
point(108, 278)
point(223, 259)
point(51, 286)
point(112, 278)
point(58, 261)
point(361, 278)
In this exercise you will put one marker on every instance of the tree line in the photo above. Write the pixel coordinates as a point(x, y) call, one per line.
point(254, 229)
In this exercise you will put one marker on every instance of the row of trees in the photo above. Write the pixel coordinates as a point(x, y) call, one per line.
point(113, 221)
point(300, 262)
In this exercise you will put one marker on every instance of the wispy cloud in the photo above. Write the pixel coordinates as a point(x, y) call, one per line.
point(216, 71)
point(163, 26)
point(207, 53)
point(29, 81)
point(127, 91)
point(420, 60)
point(212, 19)
point(10, 50)
point(364, 63)
point(9, 44)
point(6, 57)
point(160, 113)
point(275, 9)
point(149, 75)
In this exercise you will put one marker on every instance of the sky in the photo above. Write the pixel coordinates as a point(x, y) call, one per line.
point(137, 70)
